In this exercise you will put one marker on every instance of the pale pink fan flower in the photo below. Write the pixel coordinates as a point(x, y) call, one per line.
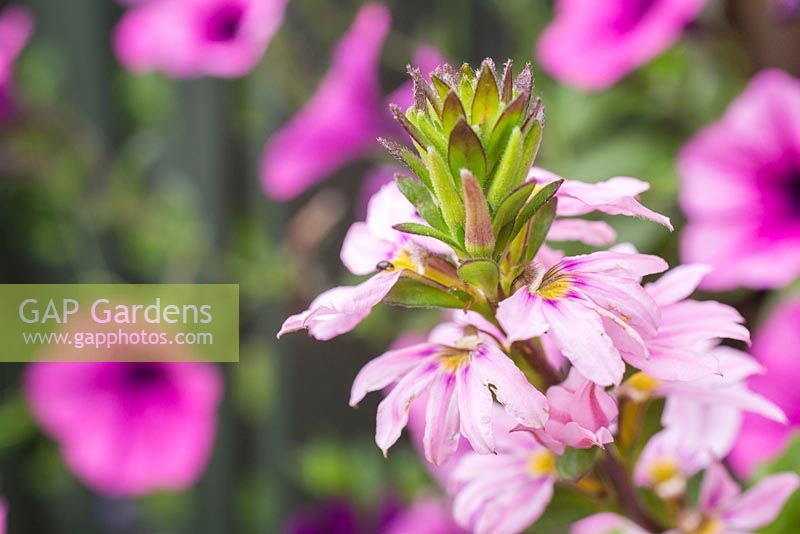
point(592, 44)
point(751, 233)
point(606, 523)
point(194, 38)
point(689, 329)
point(577, 300)
point(344, 116)
point(667, 461)
point(582, 415)
point(506, 492)
point(455, 368)
point(723, 508)
point(616, 196)
point(128, 429)
point(776, 347)
point(16, 27)
point(369, 246)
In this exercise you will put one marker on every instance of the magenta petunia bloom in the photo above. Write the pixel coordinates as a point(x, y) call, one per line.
point(592, 44)
point(127, 429)
point(193, 38)
point(16, 26)
point(776, 347)
point(3, 514)
point(740, 182)
point(344, 116)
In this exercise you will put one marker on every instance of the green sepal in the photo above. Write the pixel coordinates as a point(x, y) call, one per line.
point(441, 86)
point(452, 110)
point(430, 130)
point(429, 231)
point(507, 85)
point(481, 273)
point(407, 125)
point(466, 87)
point(465, 151)
point(421, 198)
point(478, 236)
point(487, 97)
point(575, 463)
point(445, 190)
point(505, 176)
point(423, 91)
point(409, 159)
point(415, 291)
point(511, 116)
point(530, 145)
point(539, 227)
point(535, 204)
point(511, 205)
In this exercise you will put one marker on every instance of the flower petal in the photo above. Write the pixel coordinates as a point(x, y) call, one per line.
point(442, 422)
point(390, 367)
point(475, 408)
point(760, 505)
point(521, 316)
point(677, 284)
point(594, 233)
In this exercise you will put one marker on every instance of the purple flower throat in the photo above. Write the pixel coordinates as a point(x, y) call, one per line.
point(223, 23)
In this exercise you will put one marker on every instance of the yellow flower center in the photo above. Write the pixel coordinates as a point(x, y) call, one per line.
point(663, 471)
point(641, 385)
point(452, 360)
point(542, 463)
point(554, 284)
point(709, 526)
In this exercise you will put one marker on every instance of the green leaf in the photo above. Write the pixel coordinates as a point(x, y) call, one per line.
point(427, 231)
point(423, 89)
point(421, 198)
point(465, 151)
point(511, 205)
point(445, 191)
point(414, 291)
point(478, 236)
point(575, 463)
point(451, 112)
point(409, 159)
point(487, 97)
point(540, 225)
point(535, 204)
point(524, 82)
point(505, 176)
point(432, 132)
point(483, 274)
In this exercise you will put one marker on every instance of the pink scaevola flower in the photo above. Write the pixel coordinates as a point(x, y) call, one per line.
point(456, 368)
point(369, 245)
point(16, 27)
point(127, 429)
point(667, 461)
point(606, 523)
point(578, 302)
point(344, 116)
point(723, 508)
point(616, 196)
point(591, 45)
point(776, 348)
point(193, 38)
point(689, 329)
point(582, 415)
point(727, 387)
point(506, 492)
point(751, 234)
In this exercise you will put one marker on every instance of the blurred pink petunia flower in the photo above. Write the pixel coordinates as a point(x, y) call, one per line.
point(503, 493)
point(3, 514)
point(194, 38)
point(740, 182)
point(776, 348)
point(606, 523)
point(456, 368)
point(127, 429)
point(428, 514)
point(345, 115)
point(578, 301)
point(16, 27)
point(592, 44)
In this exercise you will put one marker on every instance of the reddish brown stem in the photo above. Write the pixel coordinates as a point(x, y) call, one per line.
point(537, 359)
point(627, 495)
